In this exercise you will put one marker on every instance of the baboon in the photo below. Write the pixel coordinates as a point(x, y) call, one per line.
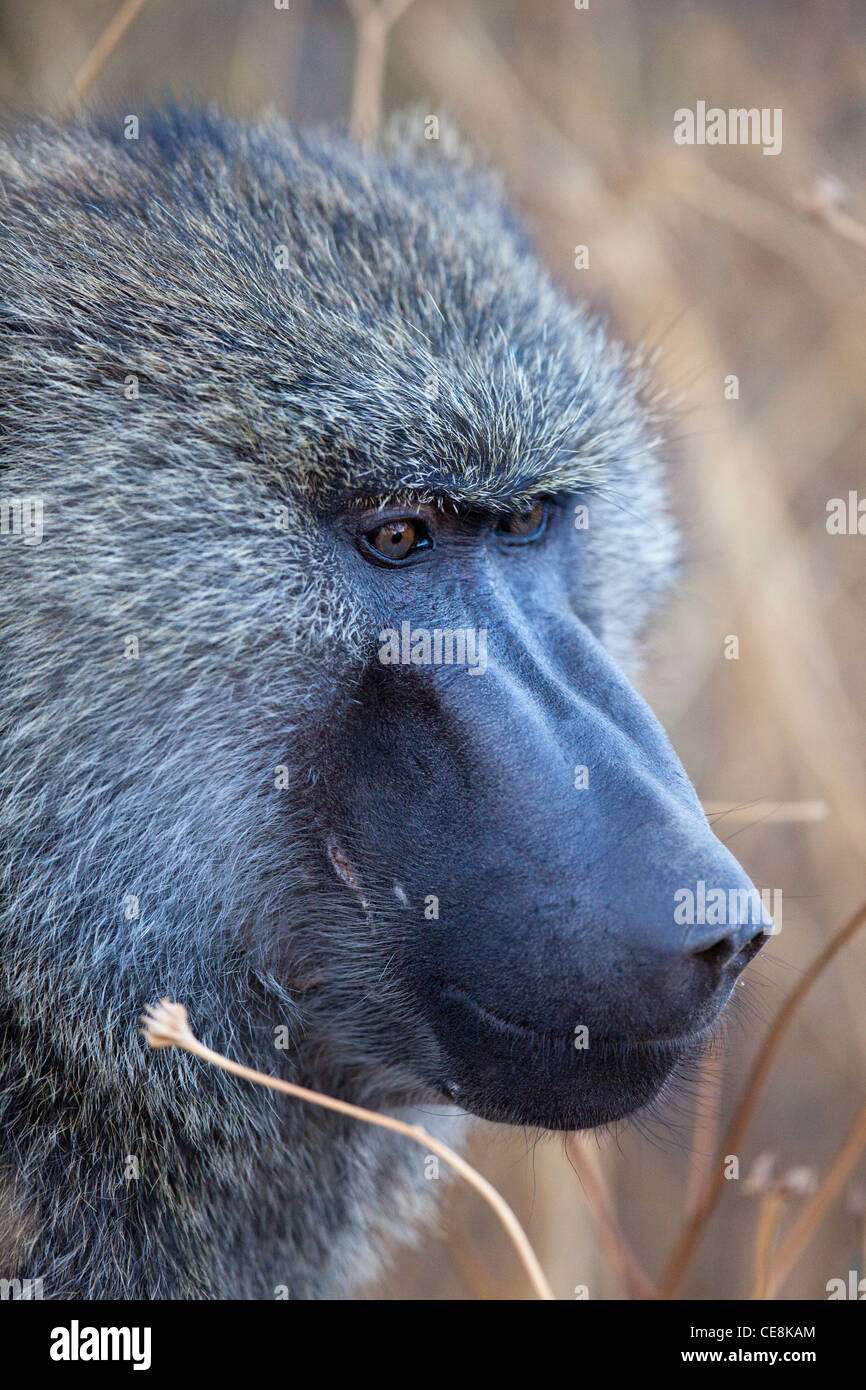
point(289, 409)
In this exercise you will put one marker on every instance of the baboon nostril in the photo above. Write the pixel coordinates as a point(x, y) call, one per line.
point(751, 945)
point(737, 947)
point(718, 953)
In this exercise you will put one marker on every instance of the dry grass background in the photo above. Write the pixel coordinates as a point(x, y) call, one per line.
point(707, 253)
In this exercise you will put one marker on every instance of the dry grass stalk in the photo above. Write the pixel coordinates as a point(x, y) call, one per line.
point(619, 1253)
point(101, 52)
point(813, 1214)
point(772, 1206)
point(707, 1107)
point(681, 1258)
point(469, 1266)
point(166, 1024)
point(373, 23)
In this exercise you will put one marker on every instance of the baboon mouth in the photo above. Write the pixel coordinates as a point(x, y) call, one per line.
point(517, 1073)
point(552, 1039)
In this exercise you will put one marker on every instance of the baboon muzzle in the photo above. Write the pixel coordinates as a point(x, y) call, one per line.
point(541, 837)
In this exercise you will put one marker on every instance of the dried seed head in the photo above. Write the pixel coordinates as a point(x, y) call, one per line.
point(762, 1176)
point(166, 1025)
point(799, 1183)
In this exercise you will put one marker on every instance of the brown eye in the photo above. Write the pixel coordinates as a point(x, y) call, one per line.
point(395, 540)
point(524, 526)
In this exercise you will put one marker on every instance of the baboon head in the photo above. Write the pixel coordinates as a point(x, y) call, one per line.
point(314, 705)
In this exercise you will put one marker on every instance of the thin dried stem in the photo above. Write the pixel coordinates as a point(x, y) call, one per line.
point(469, 1265)
point(373, 24)
point(101, 52)
point(770, 1213)
point(617, 1249)
point(167, 1025)
point(687, 1244)
point(707, 1106)
point(813, 1214)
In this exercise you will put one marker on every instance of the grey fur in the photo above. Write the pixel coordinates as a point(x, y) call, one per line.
point(259, 388)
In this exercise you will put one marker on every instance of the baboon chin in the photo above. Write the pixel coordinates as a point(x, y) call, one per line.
point(313, 705)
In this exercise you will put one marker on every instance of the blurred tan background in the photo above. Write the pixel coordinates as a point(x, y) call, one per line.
point(709, 254)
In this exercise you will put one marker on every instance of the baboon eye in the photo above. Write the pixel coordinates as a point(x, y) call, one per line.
point(396, 540)
point(523, 526)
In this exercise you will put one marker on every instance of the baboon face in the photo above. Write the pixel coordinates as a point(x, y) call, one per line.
point(351, 522)
point(512, 825)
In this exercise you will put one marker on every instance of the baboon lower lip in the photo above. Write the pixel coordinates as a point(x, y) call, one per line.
point(673, 1046)
point(518, 1074)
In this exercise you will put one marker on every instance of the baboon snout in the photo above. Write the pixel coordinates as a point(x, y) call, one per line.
point(556, 874)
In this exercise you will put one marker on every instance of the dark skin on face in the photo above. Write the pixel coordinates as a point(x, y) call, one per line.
point(548, 977)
